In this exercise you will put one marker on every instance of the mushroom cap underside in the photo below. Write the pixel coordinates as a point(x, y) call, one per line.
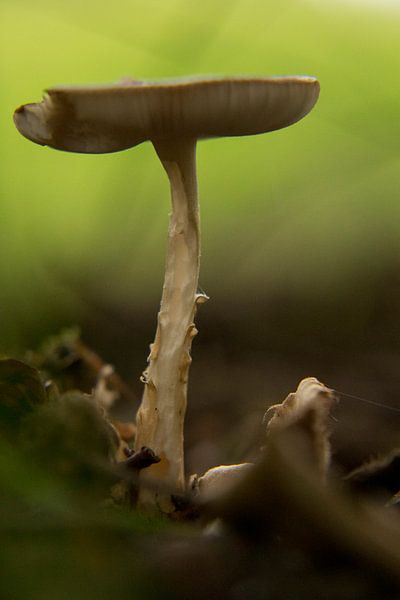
point(99, 119)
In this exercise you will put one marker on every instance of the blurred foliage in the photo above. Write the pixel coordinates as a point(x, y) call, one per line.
point(21, 391)
point(67, 433)
point(71, 438)
point(59, 536)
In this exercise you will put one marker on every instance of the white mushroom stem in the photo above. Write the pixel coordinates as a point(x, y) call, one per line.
point(160, 418)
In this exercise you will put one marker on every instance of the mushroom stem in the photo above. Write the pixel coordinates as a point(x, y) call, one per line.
point(160, 417)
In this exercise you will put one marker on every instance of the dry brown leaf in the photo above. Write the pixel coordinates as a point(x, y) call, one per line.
point(283, 495)
point(309, 406)
point(218, 480)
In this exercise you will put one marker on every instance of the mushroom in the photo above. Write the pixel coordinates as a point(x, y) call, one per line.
point(173, 115)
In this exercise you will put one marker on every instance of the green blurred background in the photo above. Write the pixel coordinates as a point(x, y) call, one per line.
point(300, 227)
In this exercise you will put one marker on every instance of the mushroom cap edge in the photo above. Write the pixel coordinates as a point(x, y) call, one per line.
point(109, 118)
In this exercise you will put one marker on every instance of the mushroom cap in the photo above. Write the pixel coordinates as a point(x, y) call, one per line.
point(98, 119)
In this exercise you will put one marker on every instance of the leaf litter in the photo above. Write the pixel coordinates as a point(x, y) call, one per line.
point(285, 525)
